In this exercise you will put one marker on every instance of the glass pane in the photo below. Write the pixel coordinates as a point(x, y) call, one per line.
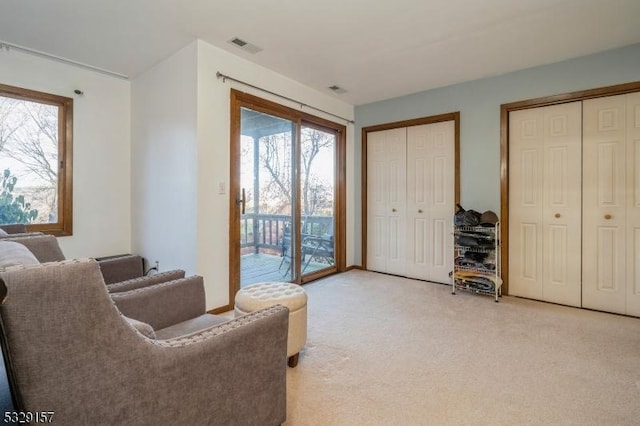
point(28, 162)
point(317, 180)
point(266, 227)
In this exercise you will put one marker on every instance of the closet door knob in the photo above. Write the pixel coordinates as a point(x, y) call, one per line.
point(419, 210)
point(393, 210)
point(557, 215)
point(607, 216)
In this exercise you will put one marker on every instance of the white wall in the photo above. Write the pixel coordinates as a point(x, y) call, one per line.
point(164, 196)
point(181, 130)
point(101, 149)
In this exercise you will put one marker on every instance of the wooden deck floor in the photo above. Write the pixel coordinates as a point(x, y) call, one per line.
point(261, 267)
point(257, 268)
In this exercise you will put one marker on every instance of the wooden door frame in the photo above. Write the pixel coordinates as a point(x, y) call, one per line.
point(451, 116)
point(241, 99)
point(505, 109)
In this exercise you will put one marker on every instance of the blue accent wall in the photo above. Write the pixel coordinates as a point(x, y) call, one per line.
point(479, 104)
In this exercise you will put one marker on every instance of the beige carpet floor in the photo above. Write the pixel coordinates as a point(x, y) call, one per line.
point(384, 350)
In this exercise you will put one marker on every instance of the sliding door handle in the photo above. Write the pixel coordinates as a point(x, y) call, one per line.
point(242, 202)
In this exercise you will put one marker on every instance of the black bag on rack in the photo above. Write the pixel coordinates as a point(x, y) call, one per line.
point(466, 217)
point(476, 256)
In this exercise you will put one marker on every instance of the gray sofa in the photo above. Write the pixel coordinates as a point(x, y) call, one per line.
point(70, 350)
point(46, 249)
point(13, 228)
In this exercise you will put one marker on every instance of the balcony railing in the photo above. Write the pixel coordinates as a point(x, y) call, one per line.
point(263, 233)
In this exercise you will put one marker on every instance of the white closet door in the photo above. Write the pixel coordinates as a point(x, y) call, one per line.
point(562, 204)
point(604, 213)
point(386, 200)
point(633, 204)
point(526, 166)
point(430, 200)
point(545, 203)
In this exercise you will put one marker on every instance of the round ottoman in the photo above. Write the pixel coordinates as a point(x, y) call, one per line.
point(262, 295)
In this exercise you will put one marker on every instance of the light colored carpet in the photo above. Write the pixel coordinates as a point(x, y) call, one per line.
point(384, 350)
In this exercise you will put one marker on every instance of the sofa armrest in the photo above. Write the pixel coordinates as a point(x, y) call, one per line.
point(165, 304)
point(14, 228)
point(20, 235)
point(244, 360)
point(145, 281)
point(121, 268)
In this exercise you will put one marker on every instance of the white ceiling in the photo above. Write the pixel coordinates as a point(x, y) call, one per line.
point(375, 49)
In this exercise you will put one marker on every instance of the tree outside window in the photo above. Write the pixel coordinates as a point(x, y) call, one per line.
point(35, 166)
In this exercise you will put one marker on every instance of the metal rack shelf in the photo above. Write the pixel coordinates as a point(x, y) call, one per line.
point(477, 280)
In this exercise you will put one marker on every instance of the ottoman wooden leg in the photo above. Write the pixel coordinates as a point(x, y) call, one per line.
point(292, 361)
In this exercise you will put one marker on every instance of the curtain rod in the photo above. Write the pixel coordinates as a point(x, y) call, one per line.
point(10, 46)
point(302, 104)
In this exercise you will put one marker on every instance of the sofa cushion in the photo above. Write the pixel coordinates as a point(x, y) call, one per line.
point(193, 325)
point(2, 232)
point(142, 327)
point(12, 253)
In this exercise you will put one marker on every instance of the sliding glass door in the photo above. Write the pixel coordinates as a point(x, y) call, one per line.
point(267, 197)
point(317, 181)
point(286, 192)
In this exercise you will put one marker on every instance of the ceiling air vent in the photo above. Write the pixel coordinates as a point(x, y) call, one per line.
point(337, 89)
point(245, 45)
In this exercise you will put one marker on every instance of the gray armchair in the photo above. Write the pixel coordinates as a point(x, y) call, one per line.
point(70, 351)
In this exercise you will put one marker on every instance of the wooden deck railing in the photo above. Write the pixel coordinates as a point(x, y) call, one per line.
point(266, 230)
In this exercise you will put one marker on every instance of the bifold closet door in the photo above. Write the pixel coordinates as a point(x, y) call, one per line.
point(545, 203)
point(386, 200)
point(430, 200)
point(611, 218)
point(410, 200)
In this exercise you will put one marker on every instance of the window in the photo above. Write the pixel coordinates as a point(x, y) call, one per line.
point(36, 160)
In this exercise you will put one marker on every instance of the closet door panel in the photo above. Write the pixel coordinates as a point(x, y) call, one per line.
point(377, 246)
point(442, 259)
point(395, 256)
point(442, 206)
point(633, 204)
point(376, 203)
point(418, 194)
point(386, 201)
point(526, 165)
point(397, 207)
point(544, 203)
point(605, 199)
point(430, 200)
point(529, 262)
point(561, 211)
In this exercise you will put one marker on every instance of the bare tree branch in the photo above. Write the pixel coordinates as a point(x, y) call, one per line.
point(7, 127)
point(276, 163)
point(34, 140)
